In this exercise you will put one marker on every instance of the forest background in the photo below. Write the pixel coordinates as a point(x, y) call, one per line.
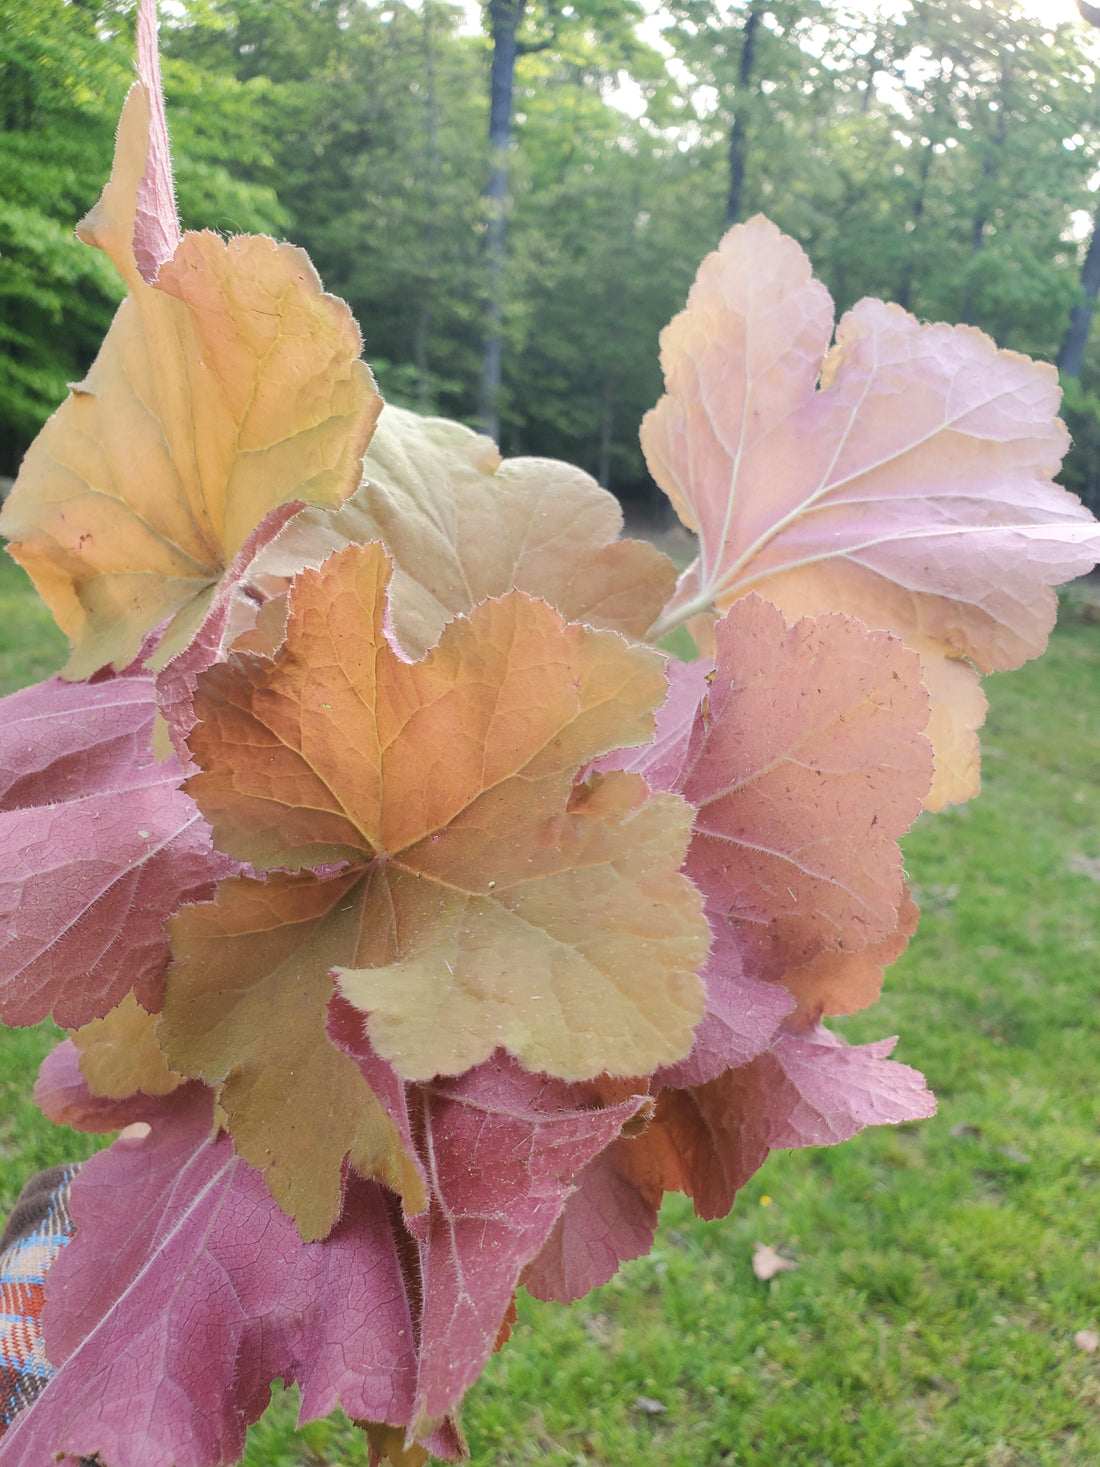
point(942, 154)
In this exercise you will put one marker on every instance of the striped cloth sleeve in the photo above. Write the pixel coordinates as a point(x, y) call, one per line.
point(37, 1230)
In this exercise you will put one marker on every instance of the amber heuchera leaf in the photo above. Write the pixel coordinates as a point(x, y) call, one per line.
point(119, 1054)
point(100, 844)
point(461, 525)
point(497, 905)
point(905, 477)
point(230, 386)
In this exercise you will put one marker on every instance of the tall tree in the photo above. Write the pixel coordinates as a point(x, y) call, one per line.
point(519, 28)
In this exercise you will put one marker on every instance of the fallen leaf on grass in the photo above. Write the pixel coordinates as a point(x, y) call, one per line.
point(649, 1405)
point(766, 1262)
point(1013, 1154)
point(1084, 865)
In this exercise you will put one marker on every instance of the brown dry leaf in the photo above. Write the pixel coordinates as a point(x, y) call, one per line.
point(1083, 865)
point(766, 1262)
point(229, 387)
point(460, 526)
point(119, 1054)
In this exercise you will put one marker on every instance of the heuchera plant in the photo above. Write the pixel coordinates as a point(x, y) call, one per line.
point(433, 921)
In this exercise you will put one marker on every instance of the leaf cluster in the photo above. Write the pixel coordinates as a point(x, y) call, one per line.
point(431, 922)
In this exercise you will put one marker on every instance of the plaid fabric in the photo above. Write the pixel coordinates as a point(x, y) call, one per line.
point(37, 1231)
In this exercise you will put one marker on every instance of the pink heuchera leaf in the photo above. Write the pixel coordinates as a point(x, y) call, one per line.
point(609, 1218)
point(502, 1147)
point(924, 455)
point(102, 846)
point(805, 761)
point(743, 1017)
point(708, 1140)
point(807, 764)
point(903, 477)
point(808, 1090)
point(156, 225)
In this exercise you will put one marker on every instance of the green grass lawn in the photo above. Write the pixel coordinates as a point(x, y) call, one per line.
point(943, 1268)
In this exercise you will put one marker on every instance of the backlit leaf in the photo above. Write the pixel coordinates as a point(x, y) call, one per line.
point(230, 386)
point(461, 525)
point(903, 477)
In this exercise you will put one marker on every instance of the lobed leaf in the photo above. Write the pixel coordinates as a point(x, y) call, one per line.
point(903, 477)
point(186, 1291)
point(246, 1011)
point(502, 1148)
point(496, 904)
point(228, 387)
point(707, 1140)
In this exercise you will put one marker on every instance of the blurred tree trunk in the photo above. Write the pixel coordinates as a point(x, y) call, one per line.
point(504, 22)
point(738, 149)
point(1071, 354)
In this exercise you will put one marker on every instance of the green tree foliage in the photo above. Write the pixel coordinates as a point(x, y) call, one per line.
point(63, 73)
point(374, 126)
point(940, 156)
point(65, 66)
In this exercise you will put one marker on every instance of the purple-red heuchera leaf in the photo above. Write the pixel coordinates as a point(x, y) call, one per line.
point(102, 846)
point(502, 1147)
point(186, 1291)
point(707, 1141)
